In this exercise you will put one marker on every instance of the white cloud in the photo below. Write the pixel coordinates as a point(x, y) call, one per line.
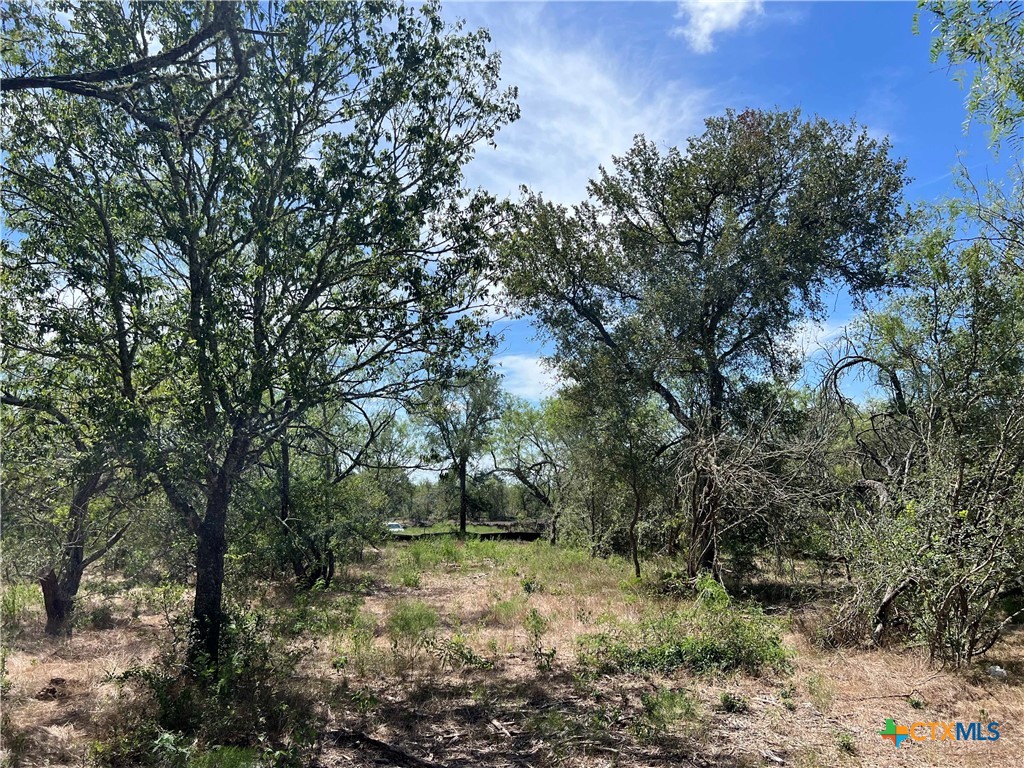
point(527, 376)
point(810, 337)
point(581, 102)
point(706, 18)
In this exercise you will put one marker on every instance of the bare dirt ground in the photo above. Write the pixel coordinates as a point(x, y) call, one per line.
point(421, 708)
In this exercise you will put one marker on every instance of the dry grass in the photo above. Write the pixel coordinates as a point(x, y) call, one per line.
point(60, 696)
point(516, 713)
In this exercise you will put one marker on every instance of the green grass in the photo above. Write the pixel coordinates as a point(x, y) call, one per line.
point(711, 636)
point(18, 601)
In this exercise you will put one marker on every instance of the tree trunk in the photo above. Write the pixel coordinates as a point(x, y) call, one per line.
point(211, 547)
point(703, 554)
point(553, 540)
point(60, 585)
point(59, 601)
point(207, 613)
point(463, 501)
point(634, 545)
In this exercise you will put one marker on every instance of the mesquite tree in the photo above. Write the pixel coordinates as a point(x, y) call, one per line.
point(294, 248)
point(459, 417)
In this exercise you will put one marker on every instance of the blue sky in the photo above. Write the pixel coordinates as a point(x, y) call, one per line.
point(591, 75)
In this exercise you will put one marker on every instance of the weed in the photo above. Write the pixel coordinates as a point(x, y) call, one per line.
point(845, 743)
point(505, 612)
point(409, 625)
point(788, 696)
point(247, 701)
point(661, 711)
point(704, 639)
point(408, 577)
point(915, 702)
point(17, 601)
point(822, 691)
point(531, 585)
point(455, 653)
point(734, 703)
point(101, 617)
point(536, 626)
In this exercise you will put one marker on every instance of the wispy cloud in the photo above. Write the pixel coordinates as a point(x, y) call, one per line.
point(811, 338)
point(706, 18)
point(527, 376)
point(581, 103)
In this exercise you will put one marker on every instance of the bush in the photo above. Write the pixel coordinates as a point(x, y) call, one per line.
point(661, 710)
point(731, 702)
point(243, 712)
point(455, 653)
point(712, 636)
point(18, 601)
point(409, 625)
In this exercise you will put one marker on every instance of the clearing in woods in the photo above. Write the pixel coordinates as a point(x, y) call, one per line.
point(440, 653)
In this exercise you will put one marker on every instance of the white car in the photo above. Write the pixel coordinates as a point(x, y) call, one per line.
point(395, 527)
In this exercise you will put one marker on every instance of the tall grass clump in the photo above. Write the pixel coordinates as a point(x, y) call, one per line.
point(712, 635)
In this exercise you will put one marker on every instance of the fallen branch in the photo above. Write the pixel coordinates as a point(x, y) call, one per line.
point(396, 756)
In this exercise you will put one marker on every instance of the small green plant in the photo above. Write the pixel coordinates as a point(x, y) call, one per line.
point(227, 757)
point(409, 625)
point(17, 601)
point(364, 700)
point(455, 653)
point(531, 585)
point(361, 651)
point(101, 617)
point(788, 696)
point(713, 637)
point(822, 691)
point(661, 711)
point(915, 702)
point(536, 626)
point(504, 612)
point(845, 743)
point(5, 681)
point(734, 703)
point(409, 577)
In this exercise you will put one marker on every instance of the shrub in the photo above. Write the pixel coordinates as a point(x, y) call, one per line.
point(408, 577)
point(190, 715)
point(661, 710)
point(536, 626)
point(712, 636)
point(409, 625)
point(455, 653)
point(17, 601)
point(731, 702)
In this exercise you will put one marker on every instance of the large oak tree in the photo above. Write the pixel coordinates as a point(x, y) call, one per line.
point(687, 272)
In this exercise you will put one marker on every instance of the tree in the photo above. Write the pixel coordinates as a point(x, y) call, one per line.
point(943, 447)
point(688, 272)
point(987, 34)
point(66, 501)
point(459, 417)
point(295, 250)
point(94, 57)
point(529, 446)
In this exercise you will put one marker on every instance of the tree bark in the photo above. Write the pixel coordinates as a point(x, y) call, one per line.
point(634, 545)
point(59, 601)
point(207, 613)
point(463, 501)
point(703, 554)
point(60, 585)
